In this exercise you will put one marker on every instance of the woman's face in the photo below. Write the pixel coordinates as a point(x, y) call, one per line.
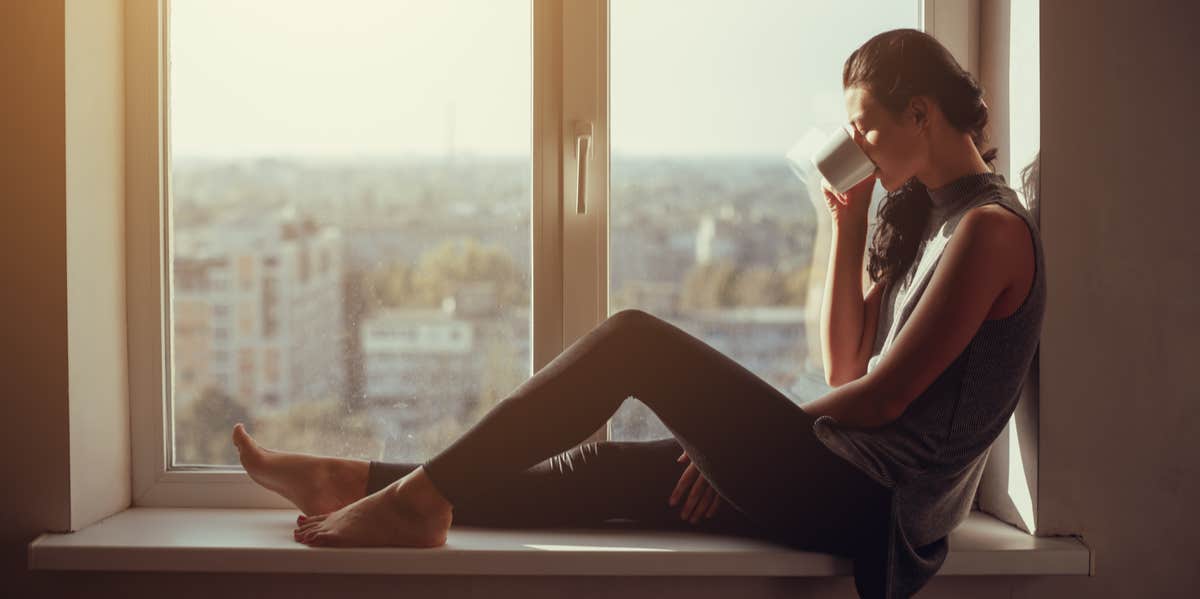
point(895, 145)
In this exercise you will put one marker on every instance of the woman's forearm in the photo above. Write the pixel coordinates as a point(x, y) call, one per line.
point(842, 301)
point(859, 403)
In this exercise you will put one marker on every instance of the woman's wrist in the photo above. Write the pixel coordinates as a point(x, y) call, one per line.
point(850, 224)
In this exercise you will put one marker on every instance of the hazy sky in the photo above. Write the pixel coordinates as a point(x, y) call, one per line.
point(375, 77)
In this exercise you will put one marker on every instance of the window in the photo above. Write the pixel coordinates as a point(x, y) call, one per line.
point(354, 225)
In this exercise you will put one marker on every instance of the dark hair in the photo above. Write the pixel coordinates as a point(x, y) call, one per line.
point(894, 66)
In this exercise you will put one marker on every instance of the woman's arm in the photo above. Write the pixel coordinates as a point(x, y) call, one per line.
point(857, 403)
point(843, 307)
point(976, 268)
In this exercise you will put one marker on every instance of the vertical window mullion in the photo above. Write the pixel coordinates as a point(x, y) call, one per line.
point(584, 124)
point(547, 202)
point(956, 25)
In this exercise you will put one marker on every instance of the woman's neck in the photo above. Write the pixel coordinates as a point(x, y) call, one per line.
point(952, 157)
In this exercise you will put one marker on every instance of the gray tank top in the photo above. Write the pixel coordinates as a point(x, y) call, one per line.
point(932, 456)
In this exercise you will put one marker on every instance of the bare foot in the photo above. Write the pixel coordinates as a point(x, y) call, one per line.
point(317, 485)
point(407, 513)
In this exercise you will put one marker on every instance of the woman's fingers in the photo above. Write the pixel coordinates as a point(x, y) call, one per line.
point(694, 497)
point(702, 499)
point(712, 509)
point(684, 480)
point(710, 495)
point(831, 194)
point(835, 197)
point(683, 456)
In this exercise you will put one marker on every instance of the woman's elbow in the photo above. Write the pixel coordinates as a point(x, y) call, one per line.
point(834, 381)
point(837, 378)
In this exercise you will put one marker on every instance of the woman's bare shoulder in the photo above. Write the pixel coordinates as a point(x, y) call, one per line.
point(998, 220)
point(1005, 228)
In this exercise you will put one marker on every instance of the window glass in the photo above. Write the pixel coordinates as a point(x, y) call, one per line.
point(350, 195)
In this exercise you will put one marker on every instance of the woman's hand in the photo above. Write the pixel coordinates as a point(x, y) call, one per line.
point(702, 500)
point(853, 204)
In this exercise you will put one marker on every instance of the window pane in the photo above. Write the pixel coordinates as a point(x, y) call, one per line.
point(350, 222)
point(712, 229)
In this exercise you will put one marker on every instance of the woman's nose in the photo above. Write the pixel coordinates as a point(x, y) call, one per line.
point(858, 138)
point(862, 143)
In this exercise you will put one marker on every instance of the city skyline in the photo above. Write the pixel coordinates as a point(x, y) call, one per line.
point(306, 294)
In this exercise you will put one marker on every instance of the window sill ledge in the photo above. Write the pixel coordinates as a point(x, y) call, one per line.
point(256, 540)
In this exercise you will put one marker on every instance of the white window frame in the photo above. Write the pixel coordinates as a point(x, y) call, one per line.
point(570, 262)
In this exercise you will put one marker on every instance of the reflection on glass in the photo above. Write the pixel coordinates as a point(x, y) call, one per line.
point(711, 229)
point(350, 222)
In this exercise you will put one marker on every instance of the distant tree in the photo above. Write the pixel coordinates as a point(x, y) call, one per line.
point(203, 428)
point(708, 286)
point(757, 286)
point(722, 285)
point(391, 286)
point(441, 270)
point(795, 287)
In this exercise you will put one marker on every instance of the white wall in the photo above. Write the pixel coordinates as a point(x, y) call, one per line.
point(1119, 419)
point(95, 202)
point(1119, 411)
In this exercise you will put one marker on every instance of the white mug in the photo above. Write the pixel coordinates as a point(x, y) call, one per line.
point(842, 162)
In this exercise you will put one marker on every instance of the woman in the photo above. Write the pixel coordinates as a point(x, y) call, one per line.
point(926, 370)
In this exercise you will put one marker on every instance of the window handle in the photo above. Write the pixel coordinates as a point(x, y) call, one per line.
point(583, 153)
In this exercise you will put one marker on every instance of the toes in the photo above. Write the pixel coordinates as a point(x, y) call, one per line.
point(240, 437)
point(303, 519)
point(307, 526)
point(303, 528)
point(248, 450)
point(319, 538)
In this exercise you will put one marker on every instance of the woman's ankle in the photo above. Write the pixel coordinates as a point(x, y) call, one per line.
point(350, 474)
point(419, 491)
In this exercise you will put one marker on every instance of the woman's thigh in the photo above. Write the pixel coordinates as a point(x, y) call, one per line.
point(753, 443)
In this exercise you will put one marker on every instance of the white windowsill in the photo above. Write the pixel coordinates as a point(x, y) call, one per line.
point(247, 540)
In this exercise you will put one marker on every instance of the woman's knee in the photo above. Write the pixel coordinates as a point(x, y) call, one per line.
point(630, 317)
point(639, 322)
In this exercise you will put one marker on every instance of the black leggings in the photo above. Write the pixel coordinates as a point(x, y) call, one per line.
point(522, 465)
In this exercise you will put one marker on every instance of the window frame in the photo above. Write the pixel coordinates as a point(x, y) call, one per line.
point(570, 86)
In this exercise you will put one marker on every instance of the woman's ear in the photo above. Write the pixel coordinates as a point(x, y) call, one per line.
point(919, 108)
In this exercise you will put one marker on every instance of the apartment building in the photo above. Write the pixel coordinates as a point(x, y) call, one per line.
point(258, 309)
